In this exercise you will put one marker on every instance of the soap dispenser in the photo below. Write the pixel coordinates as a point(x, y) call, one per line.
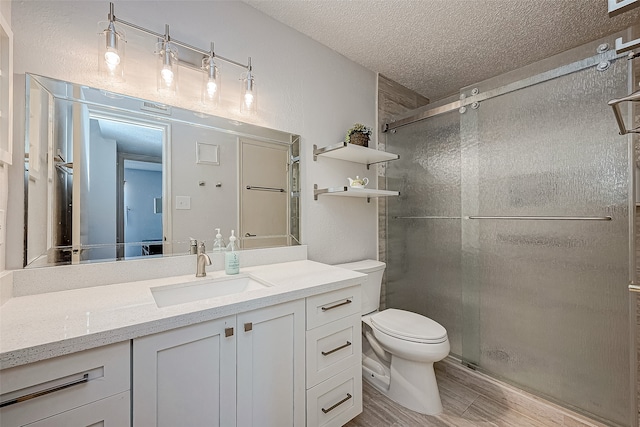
point(218, 244)
point(231, 258)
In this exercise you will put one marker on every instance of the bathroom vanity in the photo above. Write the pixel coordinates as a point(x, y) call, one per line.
point(283, 352)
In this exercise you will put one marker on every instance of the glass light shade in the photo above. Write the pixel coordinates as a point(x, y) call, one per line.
point(111, 45)
point(167, 71)
point(248, 94)
point(210, 83)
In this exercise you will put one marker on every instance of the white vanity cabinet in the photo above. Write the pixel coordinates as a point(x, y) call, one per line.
point(334, 357)
point(271, 366)
point(88, 388)
point(244, 370)
point(186, 376)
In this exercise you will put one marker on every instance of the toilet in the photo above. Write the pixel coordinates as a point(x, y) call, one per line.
point(399, 347)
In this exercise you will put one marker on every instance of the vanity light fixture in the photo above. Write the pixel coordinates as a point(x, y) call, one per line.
point(111, 49)
point(249, 100)
point(167, 73)
point(210, 80)
point(112, 43)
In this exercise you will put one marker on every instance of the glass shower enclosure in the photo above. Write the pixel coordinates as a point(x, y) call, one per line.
point(512, 228)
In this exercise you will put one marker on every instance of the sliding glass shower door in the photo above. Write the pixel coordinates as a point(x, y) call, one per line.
point(424, 236)
point(512, 231)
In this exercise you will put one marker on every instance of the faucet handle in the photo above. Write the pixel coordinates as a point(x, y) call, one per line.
point(201, 248)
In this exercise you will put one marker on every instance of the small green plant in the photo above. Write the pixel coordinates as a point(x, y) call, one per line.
point(358, 128)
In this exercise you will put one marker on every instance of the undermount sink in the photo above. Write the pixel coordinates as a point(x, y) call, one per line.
point(180, 293)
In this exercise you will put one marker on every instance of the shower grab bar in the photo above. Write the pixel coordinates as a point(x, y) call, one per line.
point(278, 190)
point(545, 218)
point(426, 217)
point(615, 104)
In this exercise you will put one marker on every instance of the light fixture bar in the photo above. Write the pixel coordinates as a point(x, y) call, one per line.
point(112, 18)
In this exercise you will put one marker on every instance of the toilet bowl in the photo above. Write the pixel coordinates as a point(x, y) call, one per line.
point(399, 347)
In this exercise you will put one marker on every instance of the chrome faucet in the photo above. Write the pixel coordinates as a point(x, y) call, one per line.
point(202, 261)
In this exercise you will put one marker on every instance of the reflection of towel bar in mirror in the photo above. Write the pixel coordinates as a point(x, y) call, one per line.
point(65, 167)
point(615, 104)
point(278, 190)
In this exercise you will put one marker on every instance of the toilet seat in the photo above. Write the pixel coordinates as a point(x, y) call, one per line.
point(409, 326)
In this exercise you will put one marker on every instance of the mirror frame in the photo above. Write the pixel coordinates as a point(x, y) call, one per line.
point(58, 90)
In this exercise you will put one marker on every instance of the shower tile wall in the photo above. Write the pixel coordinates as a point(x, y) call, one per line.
point(637, 304)
point(393, 99)
point(633, 296)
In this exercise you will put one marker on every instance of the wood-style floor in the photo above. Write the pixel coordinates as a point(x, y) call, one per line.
point(463, 407)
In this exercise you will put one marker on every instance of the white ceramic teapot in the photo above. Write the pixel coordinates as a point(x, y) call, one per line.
point(358, 183)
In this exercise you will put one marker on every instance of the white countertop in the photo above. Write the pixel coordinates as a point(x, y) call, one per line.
point(41, 326)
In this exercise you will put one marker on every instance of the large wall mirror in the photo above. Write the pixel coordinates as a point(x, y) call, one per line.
point(110, 177)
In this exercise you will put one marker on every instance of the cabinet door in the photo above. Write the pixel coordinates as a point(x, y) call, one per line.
point(186, 376)
point(110, 412)
point(270, 372)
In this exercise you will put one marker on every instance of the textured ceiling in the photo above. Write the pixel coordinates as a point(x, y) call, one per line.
point(436, 47)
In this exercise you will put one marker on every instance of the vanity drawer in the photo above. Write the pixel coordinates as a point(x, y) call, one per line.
point(52, 386)
point(337, 400)
point(332, 348)
point(331, 306)
point(114, 411)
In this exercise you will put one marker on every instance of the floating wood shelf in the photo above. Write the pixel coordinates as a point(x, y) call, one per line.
point(353, 153)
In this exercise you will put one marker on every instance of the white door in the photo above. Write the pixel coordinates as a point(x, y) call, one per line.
point(186, 376)
point(270, 372)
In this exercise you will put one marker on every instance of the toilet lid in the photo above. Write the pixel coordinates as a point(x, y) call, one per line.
point(409, 326)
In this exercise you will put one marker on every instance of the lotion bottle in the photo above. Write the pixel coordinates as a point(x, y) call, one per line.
point(231, 258)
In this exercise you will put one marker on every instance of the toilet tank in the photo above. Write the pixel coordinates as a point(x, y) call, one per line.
point(371, 287)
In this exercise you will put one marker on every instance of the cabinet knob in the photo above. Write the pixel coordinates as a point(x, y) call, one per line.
point(248, 327)
point(228, 332)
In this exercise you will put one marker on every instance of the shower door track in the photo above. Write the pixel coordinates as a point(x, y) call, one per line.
point(564, 70)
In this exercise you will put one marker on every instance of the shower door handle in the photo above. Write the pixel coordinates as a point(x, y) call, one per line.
point(615, 104)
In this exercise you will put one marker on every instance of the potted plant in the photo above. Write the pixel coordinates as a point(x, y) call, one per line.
point(358, 134)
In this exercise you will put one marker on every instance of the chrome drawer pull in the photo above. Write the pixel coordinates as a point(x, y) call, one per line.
point(337, 305)
point(326, 353)
point(84, 379)
point(337, 404)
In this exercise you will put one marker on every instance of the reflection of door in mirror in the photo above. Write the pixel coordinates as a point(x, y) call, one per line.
point(122, 177)
point(142, 214)
point(264, 194)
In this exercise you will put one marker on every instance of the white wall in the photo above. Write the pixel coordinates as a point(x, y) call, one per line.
point(304, 88)
point(211, 207)
point(100, 201)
